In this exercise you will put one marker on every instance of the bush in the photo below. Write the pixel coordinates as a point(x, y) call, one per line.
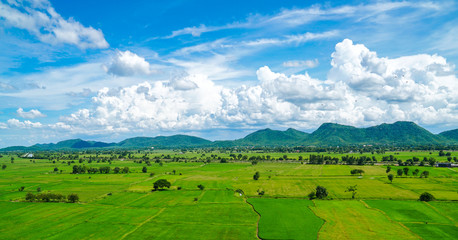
point(312, 195)
point(426, 197)
point(256, 176)
point(161, 183)
point(321, 192)
point(201, 187)
point(73, 197)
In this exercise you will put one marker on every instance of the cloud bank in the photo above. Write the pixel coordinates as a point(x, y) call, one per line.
point(361, 89)
point(40, 19)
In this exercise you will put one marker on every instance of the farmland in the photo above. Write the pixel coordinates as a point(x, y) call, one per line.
point(231, 204)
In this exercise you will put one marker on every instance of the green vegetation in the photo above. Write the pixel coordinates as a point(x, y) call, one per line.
point(328, 134)
point(119, 204)
point(286, 218)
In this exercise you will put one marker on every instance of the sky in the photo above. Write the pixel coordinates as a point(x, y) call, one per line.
point(109, 70)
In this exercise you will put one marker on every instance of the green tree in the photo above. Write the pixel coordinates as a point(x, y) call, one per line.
point(201, 187)
point(321, 192)
point(73, 197)
point(116, 170)
point(415, 172)
point(400, 172)
point(312, 195)
point(256, 176)
point(30, 197)
point(353, 190)
point(426, 197)
point(125, 170)
point(388, 169)
point(3, 166)
point(357, 171)
point(390, 177)
point(161, 183)
point(144, 169)
point(406, 171)
point(424, 174)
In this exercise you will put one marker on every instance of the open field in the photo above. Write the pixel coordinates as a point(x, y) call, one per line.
point(122, 206)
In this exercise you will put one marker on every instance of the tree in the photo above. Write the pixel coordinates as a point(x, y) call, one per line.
point(144, 169)
point(321, 192)
point(38, 189)
point(312, 195)
point(405, 170)
point(256, 176)
point(400, 172)
point(73, 197)
point(3, 166)
point(161, 183)
point(424, 174)
point(426, 197)
point(201, 187)
point(30, 197)
point(388, 169)
point(357, 171)
point(415, 172)
point(56, 169)
point(21, 189)
point(116, 170)
point(353, 191)
point(390, 177)
point(125, 170)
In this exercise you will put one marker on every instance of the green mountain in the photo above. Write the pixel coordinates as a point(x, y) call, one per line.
point(71, 144)
point(161, 141)
point(450, 135)
point(398, 133)
point(269, 137)
point(328, 134)
point(336, 134)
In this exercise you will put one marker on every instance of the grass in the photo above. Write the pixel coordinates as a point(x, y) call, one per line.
point(353, 220)
point(430, 221)
point(286, 218)
point(114, 206)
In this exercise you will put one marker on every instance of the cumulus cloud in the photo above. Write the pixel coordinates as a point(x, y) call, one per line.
point(361, 89)
point(14, 123)
point(40, 19)
point(128, 64)
point(33, 113)
point(301, 63)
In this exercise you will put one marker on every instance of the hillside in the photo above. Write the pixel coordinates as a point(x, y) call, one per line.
point(269, 137)
point(450, 135)
point(328, 134)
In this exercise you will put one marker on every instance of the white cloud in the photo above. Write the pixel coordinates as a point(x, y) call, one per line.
point(128, 64)
point(291, 18)
point(14, 123)
point(33, 113)
point(256, 43)
point(40, 19)
point(362, 89)
point(301, 63)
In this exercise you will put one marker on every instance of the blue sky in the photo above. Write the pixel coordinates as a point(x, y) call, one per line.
point(108, 70)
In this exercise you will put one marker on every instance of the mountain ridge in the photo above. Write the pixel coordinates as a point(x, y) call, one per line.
point(328, 134)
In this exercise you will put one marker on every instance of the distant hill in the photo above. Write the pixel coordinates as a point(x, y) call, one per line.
point(269, 137)
point(161, 141)
point(328, 134)
point(450, 135)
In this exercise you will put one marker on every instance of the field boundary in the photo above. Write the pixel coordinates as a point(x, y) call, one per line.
point(324, 220)
point(142, 223)
point(259, 217)
point(390, 219)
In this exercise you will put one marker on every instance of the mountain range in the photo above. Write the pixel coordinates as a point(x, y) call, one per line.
point(328, 134)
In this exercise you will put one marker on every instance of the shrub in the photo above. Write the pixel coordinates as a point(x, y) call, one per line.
point(321, 192)
point(426, 197)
